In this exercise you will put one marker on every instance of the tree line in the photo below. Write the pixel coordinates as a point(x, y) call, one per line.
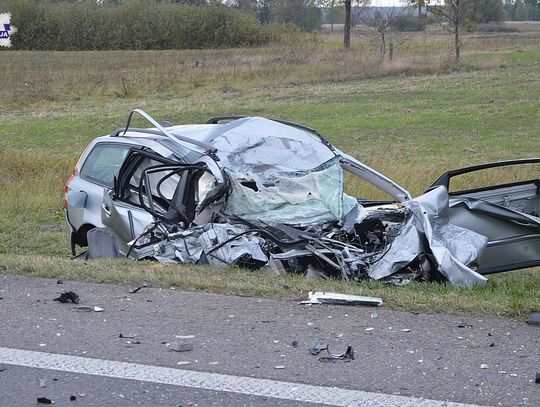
point(166, 24)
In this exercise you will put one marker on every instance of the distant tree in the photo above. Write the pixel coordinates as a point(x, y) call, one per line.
point(334, 12)
point(303, 13)
point(450, 15)
point(347, 25)
point(247, 6)
point(264, 11)
point(418, 4)
point(380, 22)
point(484, 11)
point(522, 9)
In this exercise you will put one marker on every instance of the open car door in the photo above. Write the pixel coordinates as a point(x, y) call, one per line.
point(506, 213)
point(152, 188)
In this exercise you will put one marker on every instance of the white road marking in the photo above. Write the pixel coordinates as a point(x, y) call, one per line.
point(332, 396)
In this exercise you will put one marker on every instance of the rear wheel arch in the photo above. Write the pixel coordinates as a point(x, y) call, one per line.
point(80, 237)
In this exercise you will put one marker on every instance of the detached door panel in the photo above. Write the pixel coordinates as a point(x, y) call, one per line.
point(505, 209)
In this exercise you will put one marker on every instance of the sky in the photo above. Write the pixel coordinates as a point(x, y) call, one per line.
point(386, 3)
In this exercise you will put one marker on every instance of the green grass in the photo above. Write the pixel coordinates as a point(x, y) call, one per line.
point(412, 119)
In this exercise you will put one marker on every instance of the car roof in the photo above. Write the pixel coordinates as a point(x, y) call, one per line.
point(208, 133)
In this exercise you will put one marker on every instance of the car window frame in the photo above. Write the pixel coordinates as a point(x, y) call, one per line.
point(100, 144)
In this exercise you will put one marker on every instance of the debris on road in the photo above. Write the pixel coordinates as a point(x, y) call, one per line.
point(348, 354)
point(534, 318)
point(67, 296)
point(72, 398)
point(483, 366)
point(318, 297)
point(320, 346)
point(182, 343)
point(128, 336)
point(279, 367)
point(44, 400)
point(134, 290)
point(180, 347)
point(537, 381)
point(88, 308)
point(294, 344)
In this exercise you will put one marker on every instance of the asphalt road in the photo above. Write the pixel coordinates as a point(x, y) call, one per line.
point(404, 355)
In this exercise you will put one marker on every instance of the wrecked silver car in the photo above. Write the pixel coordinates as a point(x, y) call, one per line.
point(267, 193)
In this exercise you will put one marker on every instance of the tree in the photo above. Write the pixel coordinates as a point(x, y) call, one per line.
point(302, 13)
point(347, 25)
point(451, 11)
point(484, 11)
point(418, 4)
point(380, 20)
point(522, 9)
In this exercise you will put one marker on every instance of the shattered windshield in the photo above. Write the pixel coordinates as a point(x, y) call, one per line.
point(280, 174)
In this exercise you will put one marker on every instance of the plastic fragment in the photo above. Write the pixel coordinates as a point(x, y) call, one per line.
point(319, 297)
point(180, 347)
point(182, 343)
point(534, 318)
point(127, 336)
point(318, 347)
point(134, 290)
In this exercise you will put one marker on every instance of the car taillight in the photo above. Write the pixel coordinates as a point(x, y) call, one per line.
point(66, 187)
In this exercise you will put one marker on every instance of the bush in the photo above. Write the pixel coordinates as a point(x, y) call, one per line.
point(135, 24)
point(408, 23)
point(495, 27)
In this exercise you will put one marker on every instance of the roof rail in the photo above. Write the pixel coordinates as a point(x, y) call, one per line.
point(162, 131)
point(217, 119)
point(122, 130)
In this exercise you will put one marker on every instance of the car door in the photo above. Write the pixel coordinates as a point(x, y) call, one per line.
point(151, 188)
point(502, 202)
